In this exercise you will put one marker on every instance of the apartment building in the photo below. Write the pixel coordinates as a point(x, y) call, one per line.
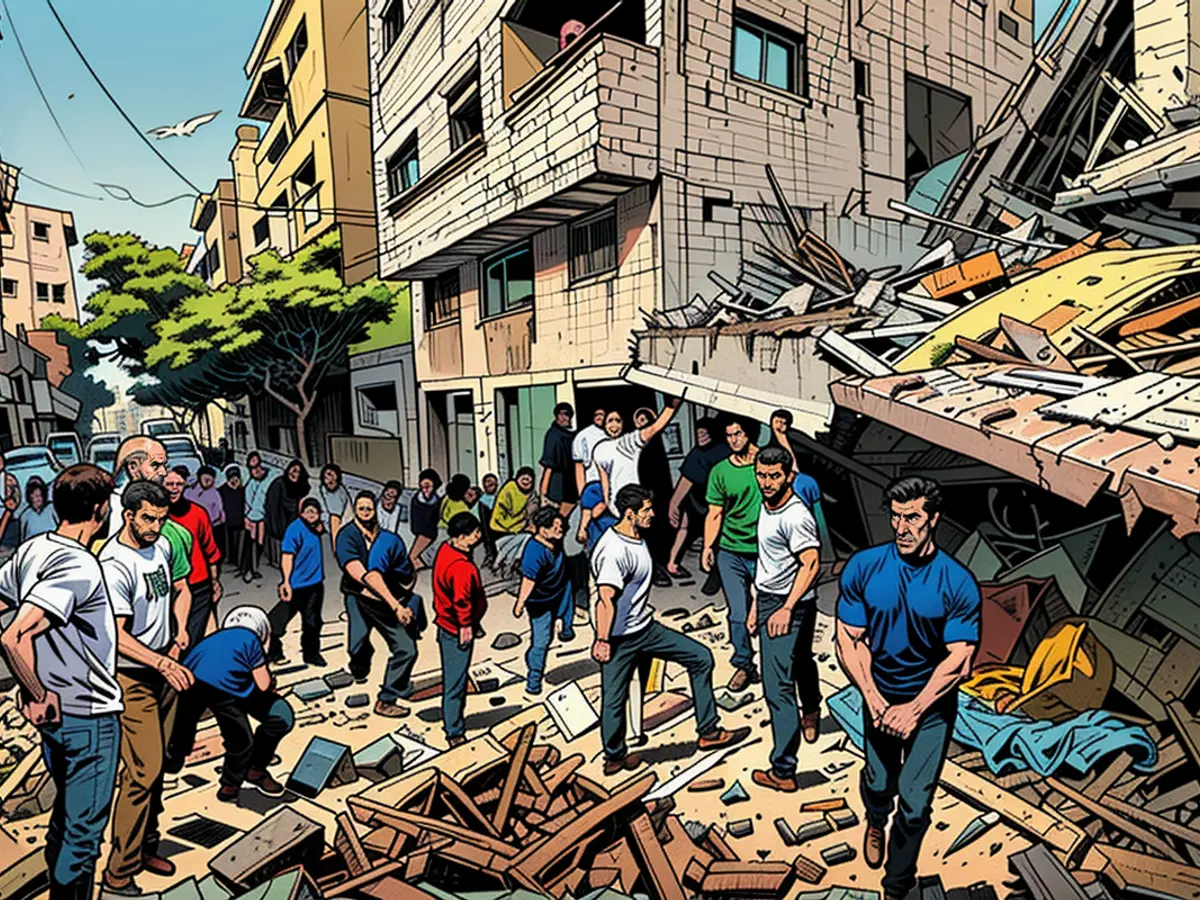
point(547, 173)
point(37, 277)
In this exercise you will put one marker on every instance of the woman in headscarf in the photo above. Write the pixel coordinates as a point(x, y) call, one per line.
point(283, 505)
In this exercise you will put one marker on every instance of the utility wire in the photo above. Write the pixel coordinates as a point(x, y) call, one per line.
point(54, 187)
point(41, 93)
point(107, 93)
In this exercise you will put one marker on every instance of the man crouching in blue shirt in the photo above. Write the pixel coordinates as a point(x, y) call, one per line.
point(908, 625)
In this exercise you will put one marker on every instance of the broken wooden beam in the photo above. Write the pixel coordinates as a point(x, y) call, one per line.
point(516, 771)
point(656, 867)
point(1108, 811)
point(347, 843)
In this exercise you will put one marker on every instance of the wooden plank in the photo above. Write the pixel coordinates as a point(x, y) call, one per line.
point(401, 790)
point(656, 867)
point(560, 774)
point(619, 856)
point(1035, 344)
point(1129, 870)
point(977, 271)
point(370, 877)
point(747, 879)
point(1188, 729)
point(516, 770)
point(858, 359)
point(1171, 799)
point(716, 844)
point(372, 812)
point(1108, 812)
point(452, 789)
point(680, 848)
point(347, 843)
point(1044, 876)
point(1118, 766)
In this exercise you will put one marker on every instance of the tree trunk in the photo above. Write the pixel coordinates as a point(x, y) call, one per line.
point(302, 436)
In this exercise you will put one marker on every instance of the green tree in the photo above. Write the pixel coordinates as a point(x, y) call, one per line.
point(281, 332)
point(80, 384)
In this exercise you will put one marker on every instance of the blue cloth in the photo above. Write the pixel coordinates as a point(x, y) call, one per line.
point(456, 664)
point(737, 577)
point(81, 756)
point(541, 632)
point(807, 489)
point(226, 660)
point(305, 545)
point(386, 555)
point(911, 612)
point(256, 497)
point(1012, 743)
point(544, 567)
point(593, 496)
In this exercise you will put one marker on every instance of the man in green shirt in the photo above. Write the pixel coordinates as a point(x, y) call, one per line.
point(731, 540)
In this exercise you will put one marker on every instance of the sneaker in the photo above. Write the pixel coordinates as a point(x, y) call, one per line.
point(712, 584)
point(627, 763)
point(811, 726)
point(315, 659)
point(155, 864)
point(227, 793)
point(566, 635)
point(122, 887)
point(873, 844)
point(533, 690)
point(742, 679)
point(391, 710)
point(721, 737)
point(768, 779)
point(264, 783)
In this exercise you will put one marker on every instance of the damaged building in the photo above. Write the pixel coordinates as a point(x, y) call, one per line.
point(548, 174)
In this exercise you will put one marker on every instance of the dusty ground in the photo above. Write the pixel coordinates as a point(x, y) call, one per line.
point(829, 768)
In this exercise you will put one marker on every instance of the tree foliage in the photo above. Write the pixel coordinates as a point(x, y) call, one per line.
point(92, 395)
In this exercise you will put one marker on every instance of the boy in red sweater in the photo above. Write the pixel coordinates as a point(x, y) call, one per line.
point(459, 604)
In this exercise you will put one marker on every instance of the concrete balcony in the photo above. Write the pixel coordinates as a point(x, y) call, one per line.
point(579, 132)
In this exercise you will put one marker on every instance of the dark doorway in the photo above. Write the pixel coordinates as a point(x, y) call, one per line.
point(937, 126)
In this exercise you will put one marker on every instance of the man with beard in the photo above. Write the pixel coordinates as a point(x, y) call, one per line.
point(205, 580)
point(376, 572)
point(908, 625)
point(136, 565)
point(145, 459)
point(459, 605)
point(789, 558)
point(302, 591)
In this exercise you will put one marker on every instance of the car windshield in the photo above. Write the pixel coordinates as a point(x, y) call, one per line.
point(179, 447)
point(26, 458)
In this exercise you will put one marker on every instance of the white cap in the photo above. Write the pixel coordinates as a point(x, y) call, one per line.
point(249, 617)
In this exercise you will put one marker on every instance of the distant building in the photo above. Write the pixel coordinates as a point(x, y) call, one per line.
point(37, 277)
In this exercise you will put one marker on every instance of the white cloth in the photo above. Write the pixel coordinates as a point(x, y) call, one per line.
point(389, 521)
point(77, 657)
point(139, 586)
point(584, 446)
point(116, 512)
point(783, 534)
point(625, 564)
point(618, 457)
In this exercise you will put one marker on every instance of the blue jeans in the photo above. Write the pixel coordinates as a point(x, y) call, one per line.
point(788, 665)
point(737, 577)
point(81, 755)
point(542, 617)
point(366, 614)
point(456, 664)
point(908, 770)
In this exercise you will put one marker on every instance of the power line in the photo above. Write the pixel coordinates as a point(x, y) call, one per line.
point(113, 189)
point(113, 100)
point(41, 93)
point(55, 187)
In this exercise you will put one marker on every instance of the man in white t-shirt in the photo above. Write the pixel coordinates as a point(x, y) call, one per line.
point(582, 448)
point(789, 557)
point(627, 634)
point(616, 459)
point(151, 613)
point(62, 648)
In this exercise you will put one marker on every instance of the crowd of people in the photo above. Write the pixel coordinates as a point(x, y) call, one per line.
point(120, 642)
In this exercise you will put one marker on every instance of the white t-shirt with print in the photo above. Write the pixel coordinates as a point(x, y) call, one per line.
point(77, 657)
point(139, 586)
point(783, 534)
point(584, 446)
point(625, 564)
point(618, 457)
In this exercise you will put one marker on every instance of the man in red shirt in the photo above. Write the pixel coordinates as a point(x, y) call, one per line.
point(459, 604)
point(205, 580)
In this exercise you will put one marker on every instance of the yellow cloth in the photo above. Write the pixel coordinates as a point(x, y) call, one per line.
point(509, 515)
point(450, 509)
point(1069, 672)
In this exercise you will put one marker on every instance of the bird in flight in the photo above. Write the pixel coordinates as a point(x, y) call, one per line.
point(185, 128)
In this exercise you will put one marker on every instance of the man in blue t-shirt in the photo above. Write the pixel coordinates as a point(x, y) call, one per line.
point(377, 580)
point(233, 680)
point(908, 625)
point(302, 590)
point(545, 591)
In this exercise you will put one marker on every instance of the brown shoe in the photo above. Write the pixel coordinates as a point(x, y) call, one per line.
point(741, 680)
point(456, 741)
point(122, 887)
point(627, 763)
point(156, 865)
point(265, 784)
point(811, 726)
point(721, 737)
point(768, 779)
point(873, 844)
point(227, 793)
point(391, 710)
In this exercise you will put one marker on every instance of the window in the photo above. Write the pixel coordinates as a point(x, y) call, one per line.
point(60, 293)
point(862, 79)
point(466, 113)
point(403, 169)
point(18, 383)
point(1010, 27)
point(212, 262)
point(278, 146)
point(43, 291)
point(769, 54)
point(937, 126)
point(507, 280)
point(310, 207)
point(393, 23)
point(296, 46)
point(262, 230)
point(10, 287)
point(306, 175)
point(443, 299)
point(594, 244)
point(41, 231)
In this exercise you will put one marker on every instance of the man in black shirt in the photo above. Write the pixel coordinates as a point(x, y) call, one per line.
point(688, 504)
point(233, 501)
point(558, 465)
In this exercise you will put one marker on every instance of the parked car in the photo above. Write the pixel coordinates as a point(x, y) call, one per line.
point(102, 449)
point(182, 451)
point(65, 447)
point(25, 462)
point(158, 428)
